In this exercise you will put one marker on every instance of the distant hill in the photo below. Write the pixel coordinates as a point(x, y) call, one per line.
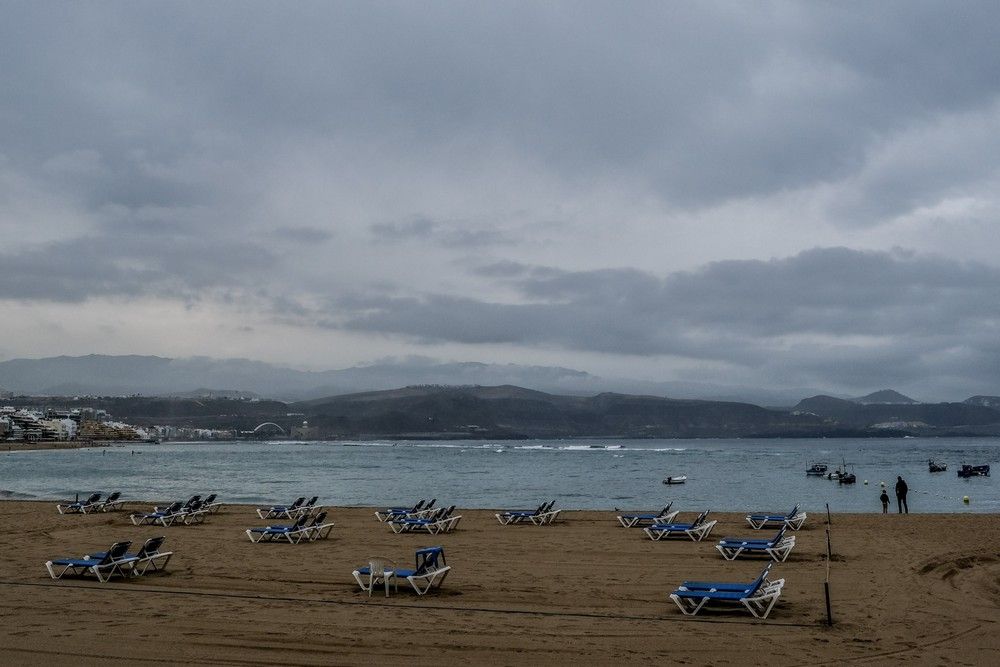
point(936, 415)
point(985, 401)
point(103, 375)
point(885, 397)
point(508, 411)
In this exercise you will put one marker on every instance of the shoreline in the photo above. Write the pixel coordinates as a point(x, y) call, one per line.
point(581, 591)
point(10, 446)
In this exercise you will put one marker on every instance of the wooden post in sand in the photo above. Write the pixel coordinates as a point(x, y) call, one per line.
point(829, 557)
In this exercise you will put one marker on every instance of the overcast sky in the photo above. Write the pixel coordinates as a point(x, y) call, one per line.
point(761, 193)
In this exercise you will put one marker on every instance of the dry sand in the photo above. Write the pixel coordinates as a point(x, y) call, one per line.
point(923, 589)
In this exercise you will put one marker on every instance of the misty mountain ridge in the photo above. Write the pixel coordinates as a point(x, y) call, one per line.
point(125, 375)
point(885, 397)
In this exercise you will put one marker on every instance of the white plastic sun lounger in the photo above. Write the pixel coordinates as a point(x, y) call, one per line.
point(391, 513)
point(293, 534)
point(149, 558)
point(80, 506)
point(638, 519)
point(164, 517)
point(276, 511)
point(757, 597)
point(778, 547)
point(114, 561)
point(440, 522)
point(541, 516)
point(793, 519)
point(697, 530)
point(112, 503)
point(318, 528)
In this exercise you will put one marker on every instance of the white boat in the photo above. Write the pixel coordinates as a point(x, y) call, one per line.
point(677, 479)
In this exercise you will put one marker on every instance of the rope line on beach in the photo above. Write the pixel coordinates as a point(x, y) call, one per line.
point(406, 605)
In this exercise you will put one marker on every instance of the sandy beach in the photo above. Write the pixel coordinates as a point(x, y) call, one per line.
point(919, 588)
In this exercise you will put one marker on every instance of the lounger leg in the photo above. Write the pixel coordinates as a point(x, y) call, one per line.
point(688, 606)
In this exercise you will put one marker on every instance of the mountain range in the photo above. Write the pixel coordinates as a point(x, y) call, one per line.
point(104, 375)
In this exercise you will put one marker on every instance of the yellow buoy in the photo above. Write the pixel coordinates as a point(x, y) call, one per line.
point(965, 499)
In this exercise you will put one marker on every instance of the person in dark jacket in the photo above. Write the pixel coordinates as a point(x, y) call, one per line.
point(885, 501)
point(901, 490)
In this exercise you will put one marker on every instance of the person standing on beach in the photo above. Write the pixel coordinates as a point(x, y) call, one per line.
point(901, 490)
point(885, 501)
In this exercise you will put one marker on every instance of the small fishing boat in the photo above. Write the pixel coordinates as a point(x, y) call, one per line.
point(817, 469)
point(678, 479)
point(974, 471)
point(934, 466)
point(847, 478)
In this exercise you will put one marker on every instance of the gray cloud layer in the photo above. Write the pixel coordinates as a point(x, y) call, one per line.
point(794, 192)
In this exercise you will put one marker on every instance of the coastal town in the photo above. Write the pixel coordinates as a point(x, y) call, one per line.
point(89, 425)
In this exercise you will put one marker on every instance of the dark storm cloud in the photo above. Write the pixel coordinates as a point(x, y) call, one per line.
point(705, 102)
point(450, 234)
point(304, 235)
point(129, 266)
point(190, 150)
point(806, 312)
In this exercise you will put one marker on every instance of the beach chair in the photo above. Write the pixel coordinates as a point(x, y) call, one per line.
point(210, 503)
point(276, 511)
point(639, 519)
point(194, 512)
point(398, 512)
point(112, 503)
point(722, 586)
point(318, 529)
point(307, 508)
point(438, 522)
point(429, 572)
point(546, 516)
point(425, 511)
point(778, 547)
point(758, 597)
point(114, 561)
point(80, 506)
point(164, 516)
point(293, 534)
point(539, 516)
point(793, 519)
point(148, 557)
point(697, 530)
point(379, 570)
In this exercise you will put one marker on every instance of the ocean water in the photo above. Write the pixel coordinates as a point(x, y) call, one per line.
point(734, 475)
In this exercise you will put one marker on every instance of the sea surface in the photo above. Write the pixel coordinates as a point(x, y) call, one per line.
point(723, 475)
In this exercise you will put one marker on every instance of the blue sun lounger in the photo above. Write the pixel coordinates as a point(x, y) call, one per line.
point(112, 503)
point(640, 519)
point(293, 534)
point(299, 507)
point(778, 547)
point(114, 561)
point(80, 506)
point(541, 516)
point(759, 596)
point(441, 521)
point(390, 513)
point(793, 519)
point(318, 528)
point(697, 530)
point(147, 558)
point(429, 573)
point(164, 516)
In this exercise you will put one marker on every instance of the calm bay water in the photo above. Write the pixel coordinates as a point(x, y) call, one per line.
point(578, 474)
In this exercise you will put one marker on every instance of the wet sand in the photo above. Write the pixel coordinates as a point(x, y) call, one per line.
point(20, 446)
point(924, 589)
